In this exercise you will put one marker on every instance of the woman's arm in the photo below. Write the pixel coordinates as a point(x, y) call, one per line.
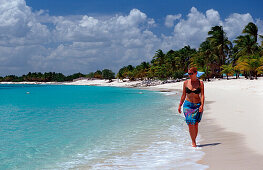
point(202, 97)
point(182, 98)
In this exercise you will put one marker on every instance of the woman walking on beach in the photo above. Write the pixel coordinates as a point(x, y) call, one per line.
point(193, 91)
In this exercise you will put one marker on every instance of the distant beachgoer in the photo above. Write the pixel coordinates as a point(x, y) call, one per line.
point(193, 91)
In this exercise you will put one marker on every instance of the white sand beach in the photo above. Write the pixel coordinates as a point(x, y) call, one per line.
point(232, 122)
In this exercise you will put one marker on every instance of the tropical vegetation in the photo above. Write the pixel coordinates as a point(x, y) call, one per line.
point(57, 77)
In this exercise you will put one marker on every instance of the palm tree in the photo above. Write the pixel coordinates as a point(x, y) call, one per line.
point(145, 65)
point(260, 68)
point(124, 72)
point(227, 69)
point(158, 59)
point(185, 55)
point(245, 45)
point(170, 60)
point(236, 70)
point(206, 69)
point(205, 59)
point(252, 30)
point(206, 50)
point(141, 70)
point(219, 42)
point(252, 64)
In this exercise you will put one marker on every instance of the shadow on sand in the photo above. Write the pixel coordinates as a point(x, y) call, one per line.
point(209, 144)
point(209, 102)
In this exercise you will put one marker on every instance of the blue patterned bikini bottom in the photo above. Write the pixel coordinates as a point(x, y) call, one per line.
point(191, 112)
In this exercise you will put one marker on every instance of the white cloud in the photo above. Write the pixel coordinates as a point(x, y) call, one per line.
point(18, 25)
point(192, 30)
point(36, 41)
point(169, 20)
point(93, 43)
point(73, 44)
point(259, 23)
point(235, 23)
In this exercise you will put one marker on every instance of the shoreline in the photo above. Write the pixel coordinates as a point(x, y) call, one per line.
point(237, 143)
point(230, 127)
point(230, 135)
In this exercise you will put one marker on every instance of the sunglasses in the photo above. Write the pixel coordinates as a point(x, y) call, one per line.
point(190, 73)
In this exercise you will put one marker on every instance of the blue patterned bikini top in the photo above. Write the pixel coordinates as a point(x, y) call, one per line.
point(197, 91)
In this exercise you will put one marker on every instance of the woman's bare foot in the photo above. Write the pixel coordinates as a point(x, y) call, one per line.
point(193, 144)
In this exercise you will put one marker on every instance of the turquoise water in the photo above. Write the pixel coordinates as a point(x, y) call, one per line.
point(90, 127)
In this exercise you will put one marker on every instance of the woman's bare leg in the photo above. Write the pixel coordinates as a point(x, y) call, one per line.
point(196, 130)
point(192, 131)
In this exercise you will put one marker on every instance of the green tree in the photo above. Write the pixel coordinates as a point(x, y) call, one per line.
point(90, 75)
point(140, 71)
point(158, 58)
point(220, 43)
point(98, 74)
point(245, 45)
point(251, 64)
point(108, 74)
point(126, 72)
point(260, 68)
point(178, 74)
point(252, 30)
point(121, 72)
point(207, 71)
point(205, 59)
point(227, 69)
point(171, 62)
point(186, 53)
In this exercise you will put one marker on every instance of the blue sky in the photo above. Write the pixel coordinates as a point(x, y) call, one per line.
point(72, 36)
point(155, 8)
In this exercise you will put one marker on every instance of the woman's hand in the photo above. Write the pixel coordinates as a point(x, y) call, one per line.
point(179, 109)
point(201, 108)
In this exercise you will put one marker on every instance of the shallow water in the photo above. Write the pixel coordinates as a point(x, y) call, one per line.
point(80, 127)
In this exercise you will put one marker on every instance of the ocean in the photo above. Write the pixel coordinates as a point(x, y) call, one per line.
point(92, 127)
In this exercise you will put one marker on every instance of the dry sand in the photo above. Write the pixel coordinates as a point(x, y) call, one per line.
point(232, 124)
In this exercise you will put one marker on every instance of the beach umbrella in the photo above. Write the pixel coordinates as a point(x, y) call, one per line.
point(199, 73)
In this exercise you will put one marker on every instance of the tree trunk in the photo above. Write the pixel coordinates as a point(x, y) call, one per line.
point(245, 74)
point(250, 75)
